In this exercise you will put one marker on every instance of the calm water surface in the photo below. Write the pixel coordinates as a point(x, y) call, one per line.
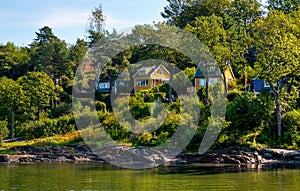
point(94, 177)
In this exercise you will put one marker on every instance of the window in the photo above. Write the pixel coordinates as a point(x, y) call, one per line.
point(202, 82)
point(104, 85)
point(160, 71)
point(212, 81)
point(142, 73)
point(143, 83)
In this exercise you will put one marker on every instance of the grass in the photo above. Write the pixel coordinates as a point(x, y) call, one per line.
point(61, 140)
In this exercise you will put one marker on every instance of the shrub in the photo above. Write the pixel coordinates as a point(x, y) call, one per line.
point(48, 127)
point(3, 130)
point(63, 109)
point(291, 128)
point(100, 106)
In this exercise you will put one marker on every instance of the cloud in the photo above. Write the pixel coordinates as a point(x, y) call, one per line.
point(112, 22)
point(59, 18)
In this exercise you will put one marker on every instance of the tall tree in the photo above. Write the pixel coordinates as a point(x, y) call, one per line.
point(51, 55)
point(44, 34)
point(173, 11)
point(40, 90)
point(278, 52)
point(287, 6)
point(181, 13)
point(96, 26)
point(245, 12)
point(210, 31)
point(14, 61)
point(11, 97)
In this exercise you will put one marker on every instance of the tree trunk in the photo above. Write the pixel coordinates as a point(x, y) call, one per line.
point(58, 92)
point(225, 84)
point(206, 90)
point(291, 85)
point(39, 113)
point(12, 123)
point(278, 111)
point(170, 85)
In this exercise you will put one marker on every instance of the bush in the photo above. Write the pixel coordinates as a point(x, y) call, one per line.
point(151, 140)
point(100, 106)
point(3, 130)
point(248, 114)
point(232, 94)
point(291, 128)
point(63, 109)
point(48, 127)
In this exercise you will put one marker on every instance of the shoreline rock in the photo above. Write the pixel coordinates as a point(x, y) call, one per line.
point(81, 153)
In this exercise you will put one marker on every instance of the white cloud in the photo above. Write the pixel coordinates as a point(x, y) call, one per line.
point(59, 18)
point(112, 22)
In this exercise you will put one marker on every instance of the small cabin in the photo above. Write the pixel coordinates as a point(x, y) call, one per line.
point(200, 80)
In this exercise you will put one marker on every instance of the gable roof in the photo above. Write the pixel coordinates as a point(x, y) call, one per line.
point(213, 73)
point(148, 71)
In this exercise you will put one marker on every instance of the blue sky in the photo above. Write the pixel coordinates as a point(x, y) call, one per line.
point(20, 19)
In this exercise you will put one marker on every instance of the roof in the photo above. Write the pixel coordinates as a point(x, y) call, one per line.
point(148, 71)
point(213, 73)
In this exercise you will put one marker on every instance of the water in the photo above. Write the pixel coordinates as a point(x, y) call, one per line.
point(96, 177)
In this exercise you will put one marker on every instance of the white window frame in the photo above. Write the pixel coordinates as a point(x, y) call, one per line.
point(143, 82)
point(104, 85)
point(161, 71)
point(212, 81)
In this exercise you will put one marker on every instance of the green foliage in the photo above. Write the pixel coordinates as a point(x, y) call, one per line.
point(39, 88)
point(100, 106)
point(60, 110)
point(14, 61)
point(291, 128)
point(3, 130)
point(151, 139)
point(47, 127)
point(247, 114)
point(287, 6)
point(231, 95)
point(138, 108)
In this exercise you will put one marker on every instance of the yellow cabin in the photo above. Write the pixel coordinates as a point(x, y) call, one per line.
point(149, 77)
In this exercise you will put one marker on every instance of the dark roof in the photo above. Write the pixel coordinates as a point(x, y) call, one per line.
point(150, 70)
point(213, 73)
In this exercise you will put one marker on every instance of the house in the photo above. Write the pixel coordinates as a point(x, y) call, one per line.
point(149, 77)
point(103, 86)
point(214, 76)
point(259, 85)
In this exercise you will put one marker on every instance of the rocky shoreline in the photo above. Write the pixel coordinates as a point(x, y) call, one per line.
point(81, 153)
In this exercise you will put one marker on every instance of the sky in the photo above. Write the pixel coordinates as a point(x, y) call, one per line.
point(20, 19)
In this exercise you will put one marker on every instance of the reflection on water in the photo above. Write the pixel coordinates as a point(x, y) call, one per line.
point(83, 177)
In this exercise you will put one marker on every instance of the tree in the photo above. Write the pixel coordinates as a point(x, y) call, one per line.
point(3, 131)
point(210, 31)
point(11, 97)
point(14, 61)
point(173, 11)
point(40, 90)
point(77, 53)
point(245, 12)
point(181, 13)
point(286, 6)
point(276, 41)
point(44, 34)
point(96, 26)
point(51, 55)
